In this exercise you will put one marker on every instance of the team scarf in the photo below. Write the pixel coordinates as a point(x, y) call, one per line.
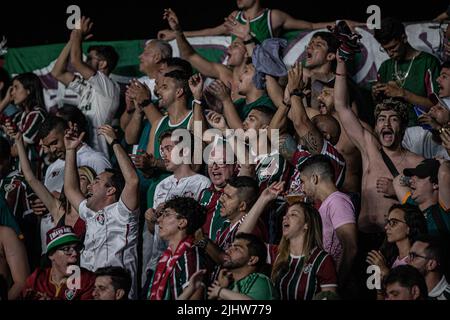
point(165, 267)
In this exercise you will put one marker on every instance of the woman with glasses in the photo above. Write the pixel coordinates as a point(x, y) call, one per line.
point(403, 225)
point(178, 221)
point(64, 279)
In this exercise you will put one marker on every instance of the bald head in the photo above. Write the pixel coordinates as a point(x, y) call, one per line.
point(328, 126)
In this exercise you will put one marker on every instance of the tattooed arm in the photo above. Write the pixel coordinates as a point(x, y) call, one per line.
point(309, 135)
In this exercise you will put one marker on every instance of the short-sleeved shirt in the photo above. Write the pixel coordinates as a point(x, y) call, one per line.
point(421, 79)
point(302, 281)
point(256, 285)
point(441, 291)
point(302, 154)
point(209, 198)
point(336, 210)
point(431, 223)
point(420, 141)
point(99, 101)
point(111, 237)
point(86, 156)
point(244, 109)
point(39, 284)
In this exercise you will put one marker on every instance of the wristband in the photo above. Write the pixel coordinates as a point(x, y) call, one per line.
point(145, 103)
point(218, 292)
point(297, 93)
point(197, 102)
point(340, 74)
point(115, 141)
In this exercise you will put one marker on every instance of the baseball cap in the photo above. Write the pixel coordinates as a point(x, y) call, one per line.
point(61, 236)
point(427, 168)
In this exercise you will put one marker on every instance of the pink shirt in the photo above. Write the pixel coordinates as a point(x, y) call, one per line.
point(335, 211)
point(400, 262)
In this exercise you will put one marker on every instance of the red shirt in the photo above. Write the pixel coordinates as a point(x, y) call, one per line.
point(38, 286)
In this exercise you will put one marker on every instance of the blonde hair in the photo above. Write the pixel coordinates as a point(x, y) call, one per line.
point(313, 239)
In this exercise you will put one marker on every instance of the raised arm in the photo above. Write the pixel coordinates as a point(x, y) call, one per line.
point(130, 193)
point(205, 67)
point(38, 187)
point(268, 195)
point(71, 181)
point(76, 52)
point(16, 258)
point(196, 86)
point(140, 93)
point(222, 92)
point(307, 131)
point(349, 120)
point(444, 184)
point(169, 35)
point(59, 71)
point(283, 20)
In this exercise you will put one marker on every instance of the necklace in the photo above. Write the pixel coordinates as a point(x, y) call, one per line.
point(400, 76)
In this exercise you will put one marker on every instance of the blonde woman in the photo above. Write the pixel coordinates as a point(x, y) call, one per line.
point(301, 268)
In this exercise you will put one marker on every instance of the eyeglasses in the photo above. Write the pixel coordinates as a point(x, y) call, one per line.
point(393, 222)
point(69, 250)
point(412, 255)
point(166, 213)
point(219, 165)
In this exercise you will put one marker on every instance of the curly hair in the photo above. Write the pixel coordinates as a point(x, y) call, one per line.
point(400, 107)
point(190, 209)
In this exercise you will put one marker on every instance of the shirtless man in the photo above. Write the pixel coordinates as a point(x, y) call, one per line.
point(351, 154)
point(391, 121)
point(13, 261)
point(229, 74)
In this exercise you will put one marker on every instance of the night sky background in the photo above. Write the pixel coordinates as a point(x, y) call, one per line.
point(44, 22)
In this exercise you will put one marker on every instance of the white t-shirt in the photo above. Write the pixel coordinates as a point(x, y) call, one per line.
point(99, 101)
point(168, 188)
point(150, 83)
point(54, 181)
point(111, 238)
point(420, 141)
point(86, 156)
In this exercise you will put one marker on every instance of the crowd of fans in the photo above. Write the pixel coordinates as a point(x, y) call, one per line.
point(309, 188)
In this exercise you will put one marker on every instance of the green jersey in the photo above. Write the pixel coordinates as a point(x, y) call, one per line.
point(261, 26)
point(256, 285)
point(417, 75)
point(244, 109)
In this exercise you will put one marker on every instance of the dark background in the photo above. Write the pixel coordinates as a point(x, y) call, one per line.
point(42, 22)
